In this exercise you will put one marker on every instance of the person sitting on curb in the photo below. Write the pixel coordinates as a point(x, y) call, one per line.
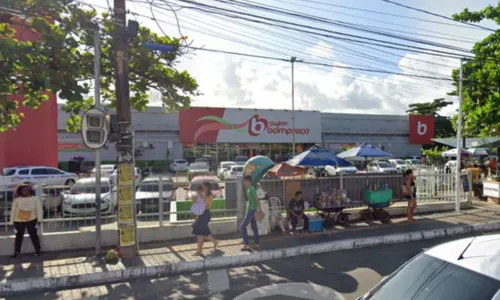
point(296, 211)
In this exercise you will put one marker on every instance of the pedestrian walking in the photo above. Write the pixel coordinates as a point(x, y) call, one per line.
point(26, 214)
point(200, 228)
point(253, 207)
point(410, 194)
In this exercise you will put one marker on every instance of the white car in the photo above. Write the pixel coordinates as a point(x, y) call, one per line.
point(233, 172)
point(399, 164)
point(14, 176)
point(81, 198)
point(336, 170)
point(223, 167)
point(106, 170)
point(465, 269)
point(179, 165)
point(137, 177)
point(147, 197)
point(381, 167)
point(412, 163)
point(198, 168)
point(451, 166)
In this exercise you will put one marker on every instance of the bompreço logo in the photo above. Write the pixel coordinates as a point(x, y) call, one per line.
point(256, 126)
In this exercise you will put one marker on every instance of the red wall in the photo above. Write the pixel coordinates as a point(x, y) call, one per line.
point(34, 141)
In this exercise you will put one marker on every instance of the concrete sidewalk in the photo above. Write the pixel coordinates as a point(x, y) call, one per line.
point(26, 272)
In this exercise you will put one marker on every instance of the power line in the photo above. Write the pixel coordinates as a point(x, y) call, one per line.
point(336, 34)
point(438, 15)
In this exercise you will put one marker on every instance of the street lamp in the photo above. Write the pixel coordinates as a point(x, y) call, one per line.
point(293, 59)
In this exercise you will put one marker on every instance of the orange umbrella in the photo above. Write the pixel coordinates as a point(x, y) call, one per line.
point(286, 170)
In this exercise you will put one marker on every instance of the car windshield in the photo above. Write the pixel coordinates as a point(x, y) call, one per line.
point(198, 166)
point(384, 164)
point(88, 188)
point(154, 186)
point(399, 162)
point(430, 278)
point(180, 161)
point(227, 165)
point(201, 159)
point(237, 169)
point(8, 172)
point(194, 185)
point(415, 162)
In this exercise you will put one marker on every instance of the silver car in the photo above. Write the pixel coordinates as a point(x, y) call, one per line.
point(381, 167)
point(81, 198)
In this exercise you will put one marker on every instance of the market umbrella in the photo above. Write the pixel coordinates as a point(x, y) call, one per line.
point(284, 169)
point(364, 152)
point(478, 151)
point(453, 153)
point(257, 167)
point(317, 156)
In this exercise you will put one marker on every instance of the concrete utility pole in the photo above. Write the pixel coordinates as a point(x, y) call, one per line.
point(293, 60)
point(459, 140)
point(127, 225)
point(97, 96)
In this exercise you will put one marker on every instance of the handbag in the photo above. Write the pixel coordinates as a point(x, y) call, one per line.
point(259, 215)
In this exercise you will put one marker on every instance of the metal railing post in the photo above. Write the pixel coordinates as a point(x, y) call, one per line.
point(39, 194)
point(240, 202)
point(341, 181)
point(160, 200)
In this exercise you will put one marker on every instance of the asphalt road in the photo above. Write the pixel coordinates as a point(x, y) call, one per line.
point(350, 273)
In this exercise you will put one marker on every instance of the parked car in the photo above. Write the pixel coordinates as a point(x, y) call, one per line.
point(147, 196)
point(450, 166)
point(106, 170)
point(52, 197)
point(241, 160)
point(81, 199)
point(233, 172)
point(179, 165)
point(223, 167)
point(399, 164)
point(14, 176)
point(197, 168)
point(137, 177)
point(381, 167)
point(336, 170)
point(466, 269)
point(198, 180)
point(412, 163)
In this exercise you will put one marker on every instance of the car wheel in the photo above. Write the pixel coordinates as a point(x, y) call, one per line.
point(69, 182)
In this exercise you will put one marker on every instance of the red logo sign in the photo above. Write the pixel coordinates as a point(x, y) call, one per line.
point(257, 125)
point(421, 129)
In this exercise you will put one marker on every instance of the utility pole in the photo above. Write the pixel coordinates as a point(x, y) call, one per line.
point(293, 60)
point(459, 140)
point(127, 225)
point(97, 99)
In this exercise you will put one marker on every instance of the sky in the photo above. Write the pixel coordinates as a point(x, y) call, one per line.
point(234, 81)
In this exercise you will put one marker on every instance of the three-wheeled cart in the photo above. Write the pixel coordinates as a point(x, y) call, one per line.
point(377, 200)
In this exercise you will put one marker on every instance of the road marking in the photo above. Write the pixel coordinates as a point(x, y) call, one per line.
point(294, 289)
point(218, 280)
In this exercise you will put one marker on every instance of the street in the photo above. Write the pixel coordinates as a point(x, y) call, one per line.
point(350, 273)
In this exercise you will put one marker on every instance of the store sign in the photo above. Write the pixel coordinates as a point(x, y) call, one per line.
point(227, 125)
point(491, 189)
point(421, 129)
point(72, 147)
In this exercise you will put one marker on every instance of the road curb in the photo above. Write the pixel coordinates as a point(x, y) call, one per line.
point(76, 281)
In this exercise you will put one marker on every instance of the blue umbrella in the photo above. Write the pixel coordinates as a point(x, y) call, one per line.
point(363, 152)
point(317, 156)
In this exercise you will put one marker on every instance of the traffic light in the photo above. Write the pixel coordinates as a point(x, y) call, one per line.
point(95, 128)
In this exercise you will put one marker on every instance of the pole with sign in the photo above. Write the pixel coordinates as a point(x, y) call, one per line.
point(97, 96)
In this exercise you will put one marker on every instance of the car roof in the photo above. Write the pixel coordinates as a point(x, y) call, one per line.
point(157, 178)
point(481, 256)
point(92, 179)
point(236, 166)
point(227, 162)
point(27, 166)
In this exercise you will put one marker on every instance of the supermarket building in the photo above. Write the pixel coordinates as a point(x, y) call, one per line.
point(224, 133)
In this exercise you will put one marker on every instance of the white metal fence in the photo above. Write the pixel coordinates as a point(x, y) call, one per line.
point(161, 200)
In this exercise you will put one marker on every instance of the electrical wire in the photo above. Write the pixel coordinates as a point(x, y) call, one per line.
point(438, 15)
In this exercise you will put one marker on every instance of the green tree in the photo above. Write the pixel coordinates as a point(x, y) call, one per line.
point(481, 84)
point(62, 61)
point(443, 126)
point(433, 155)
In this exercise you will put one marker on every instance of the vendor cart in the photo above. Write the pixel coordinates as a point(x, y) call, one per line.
point(331, 207)
point(377, 200)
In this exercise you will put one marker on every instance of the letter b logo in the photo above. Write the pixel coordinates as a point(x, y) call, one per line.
point(256, 125)
point(421, 128)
